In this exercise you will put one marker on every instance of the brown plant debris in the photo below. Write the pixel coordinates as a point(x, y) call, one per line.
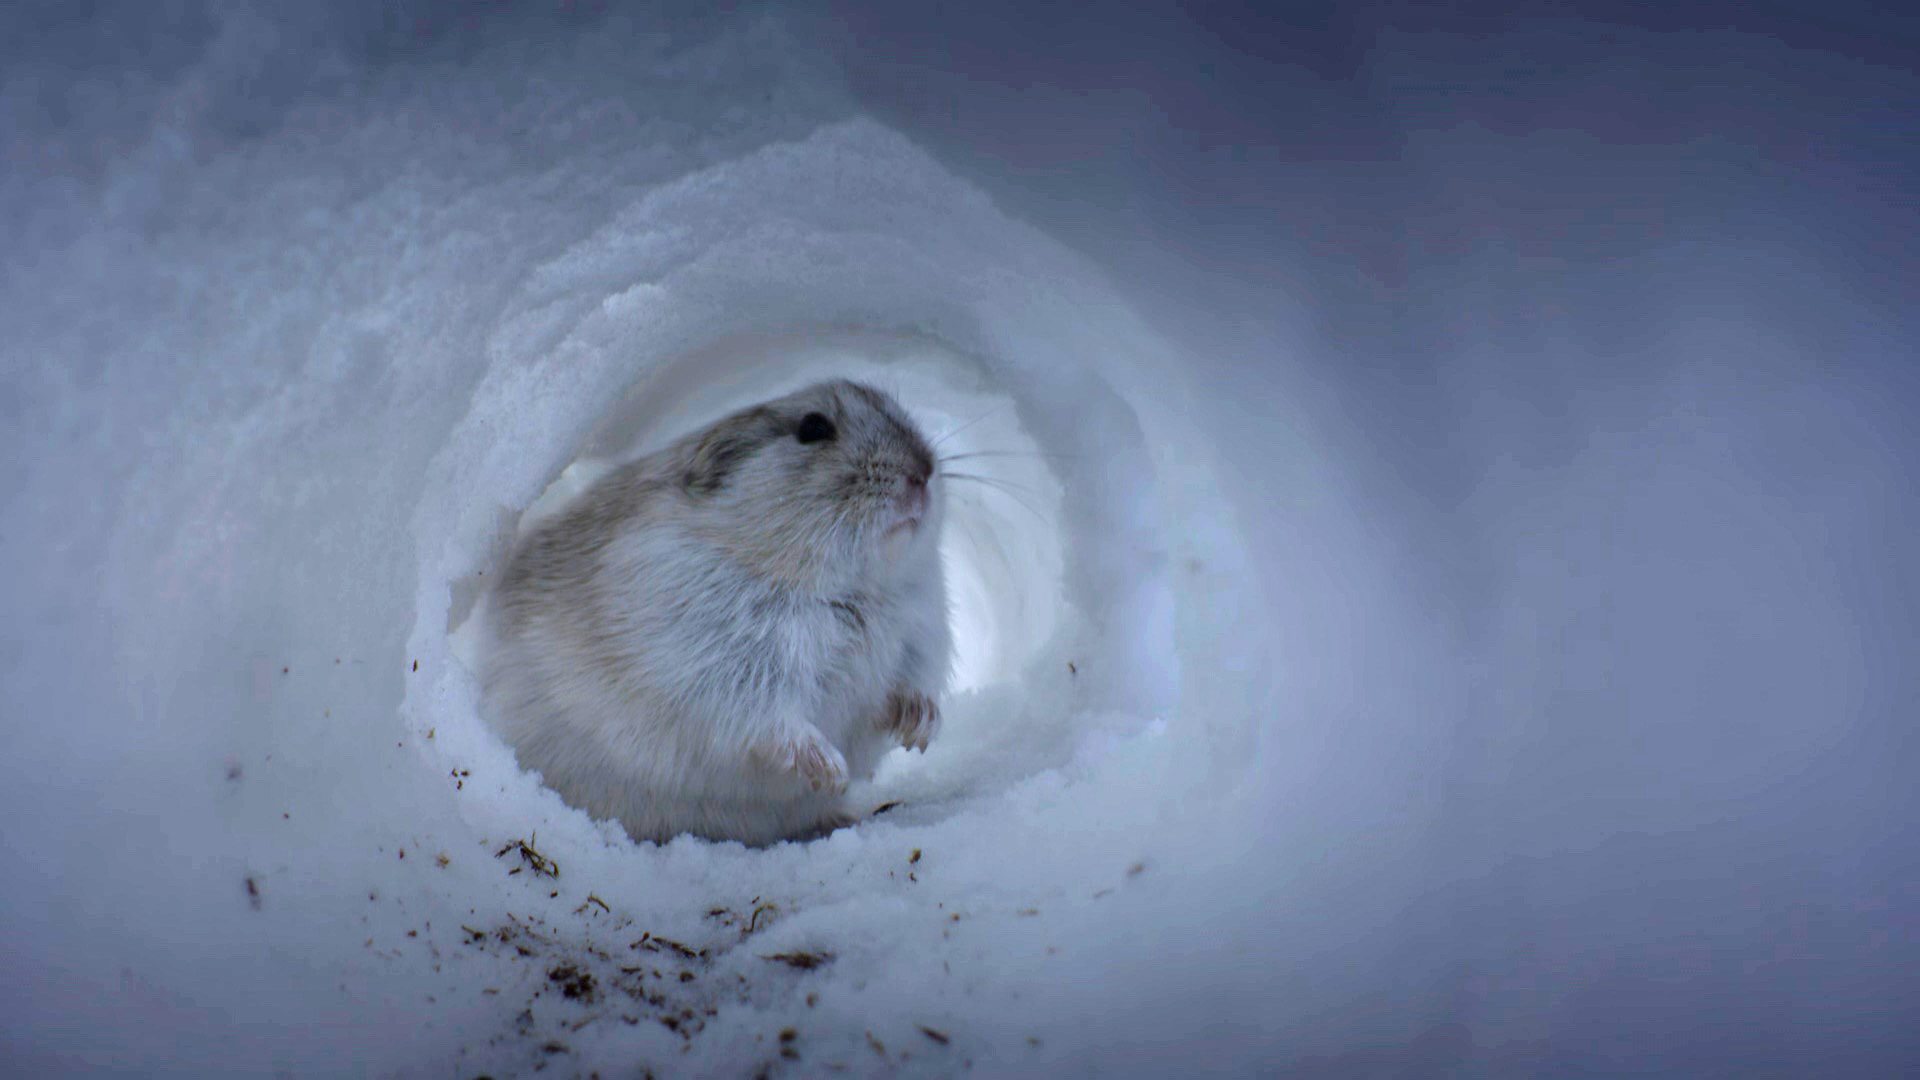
point(805, 961)
point(654, 943)
point(539, 863)
point(574, 983)
point(753, 923)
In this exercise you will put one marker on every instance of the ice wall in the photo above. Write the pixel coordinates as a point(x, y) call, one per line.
point(1448, 606)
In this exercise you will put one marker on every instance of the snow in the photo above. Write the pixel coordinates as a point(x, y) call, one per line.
point(1501, 670)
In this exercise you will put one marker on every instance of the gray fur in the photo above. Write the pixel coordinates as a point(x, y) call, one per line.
point(716, 638)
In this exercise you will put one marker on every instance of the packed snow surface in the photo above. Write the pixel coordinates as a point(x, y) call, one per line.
point(1501, 666)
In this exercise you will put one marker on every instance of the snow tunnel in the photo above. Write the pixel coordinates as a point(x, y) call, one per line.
point(1059, 549)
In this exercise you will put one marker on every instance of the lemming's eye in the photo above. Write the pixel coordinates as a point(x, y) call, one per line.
point(814, 428)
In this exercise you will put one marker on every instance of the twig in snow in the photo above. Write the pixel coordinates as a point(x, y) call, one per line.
point(753, 923)
point(540, 863)
point(805, 961)
point(654, 943)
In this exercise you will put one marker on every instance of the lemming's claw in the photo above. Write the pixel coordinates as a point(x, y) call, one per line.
point(911, 717)
point(809, 758)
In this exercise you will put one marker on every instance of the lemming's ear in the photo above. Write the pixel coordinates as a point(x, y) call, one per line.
point(729, 443)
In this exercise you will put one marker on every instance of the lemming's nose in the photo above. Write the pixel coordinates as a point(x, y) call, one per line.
point(915, 499)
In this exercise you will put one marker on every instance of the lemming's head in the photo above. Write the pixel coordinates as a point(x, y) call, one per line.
point(823, 488)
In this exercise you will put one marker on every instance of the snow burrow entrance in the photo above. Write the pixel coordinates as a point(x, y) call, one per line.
point(736, 286)
point(1018, 640)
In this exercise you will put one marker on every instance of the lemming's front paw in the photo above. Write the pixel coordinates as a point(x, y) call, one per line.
point(912, 718)
point(807, 757)
point(837, 820)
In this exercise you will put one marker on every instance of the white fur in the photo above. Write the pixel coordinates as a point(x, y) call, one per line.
point(692, 660)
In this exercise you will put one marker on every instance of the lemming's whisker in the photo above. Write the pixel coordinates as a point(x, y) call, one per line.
point(1007, 454)
point(1002, 488)
point(965, 426)
point(973, 534)
point(982, 505)
point(1001, 480)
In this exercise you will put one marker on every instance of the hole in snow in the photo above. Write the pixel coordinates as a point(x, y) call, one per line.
point(1004, 546)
